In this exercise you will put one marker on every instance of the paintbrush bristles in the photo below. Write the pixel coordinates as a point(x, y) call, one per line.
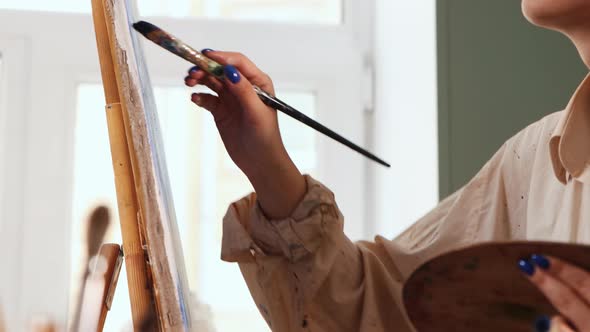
point(98, 223)
point(144, 27)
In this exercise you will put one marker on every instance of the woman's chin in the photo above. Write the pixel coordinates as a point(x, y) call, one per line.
point(556, 14)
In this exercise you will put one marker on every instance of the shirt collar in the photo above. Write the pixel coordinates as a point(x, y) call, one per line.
point(570, 141)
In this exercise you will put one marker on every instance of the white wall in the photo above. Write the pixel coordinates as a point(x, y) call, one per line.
point(405, 118)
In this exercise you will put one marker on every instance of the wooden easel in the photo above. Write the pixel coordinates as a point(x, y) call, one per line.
point(140, 291)
point(158, 287)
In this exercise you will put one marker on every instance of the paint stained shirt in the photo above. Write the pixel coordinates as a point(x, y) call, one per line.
point(306, 275)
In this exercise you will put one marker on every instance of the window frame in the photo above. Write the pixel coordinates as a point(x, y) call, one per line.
point(12, 176)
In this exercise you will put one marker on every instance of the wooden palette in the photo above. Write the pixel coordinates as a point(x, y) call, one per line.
point(481, 288)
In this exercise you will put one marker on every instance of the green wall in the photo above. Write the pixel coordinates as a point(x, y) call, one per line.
point(497, 73)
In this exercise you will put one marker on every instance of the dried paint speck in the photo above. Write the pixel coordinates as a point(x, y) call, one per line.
point(472, 264)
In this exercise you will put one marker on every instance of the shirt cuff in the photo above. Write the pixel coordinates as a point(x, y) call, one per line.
point(248, 233)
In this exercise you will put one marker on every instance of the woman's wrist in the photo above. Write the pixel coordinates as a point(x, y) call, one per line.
point(279, 187)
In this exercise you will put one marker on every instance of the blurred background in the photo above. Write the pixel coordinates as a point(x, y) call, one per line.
point(433, 88)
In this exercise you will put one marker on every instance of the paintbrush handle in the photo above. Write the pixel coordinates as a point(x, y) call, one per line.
point(281, 106)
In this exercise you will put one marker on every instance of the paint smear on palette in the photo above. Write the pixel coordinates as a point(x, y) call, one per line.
point(513, 311)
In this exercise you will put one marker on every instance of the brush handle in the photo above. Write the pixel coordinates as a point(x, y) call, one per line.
point(281, 106)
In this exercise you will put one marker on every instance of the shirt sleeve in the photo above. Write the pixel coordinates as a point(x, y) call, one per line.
point(305, 274)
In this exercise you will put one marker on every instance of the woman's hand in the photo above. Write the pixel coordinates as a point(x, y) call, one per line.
point(249, 130)
point(567, 287)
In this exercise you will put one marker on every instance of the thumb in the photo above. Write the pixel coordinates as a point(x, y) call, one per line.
point(241, 88)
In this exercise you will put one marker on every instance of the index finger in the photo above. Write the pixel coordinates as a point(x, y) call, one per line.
point(245, 66)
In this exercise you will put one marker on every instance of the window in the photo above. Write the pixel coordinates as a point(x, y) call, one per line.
point(69, 6)
point(64, 164)
point(328, 12)
point(2, 124)
point(1, 121)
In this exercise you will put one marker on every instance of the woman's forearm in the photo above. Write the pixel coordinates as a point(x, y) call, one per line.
point(279, 187)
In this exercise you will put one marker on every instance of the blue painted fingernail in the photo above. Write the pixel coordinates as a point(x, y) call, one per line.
point(542, 324)
point(526, 267)
point(232, 74)
point(205, 50)
point(541, 261)
point(194, 70)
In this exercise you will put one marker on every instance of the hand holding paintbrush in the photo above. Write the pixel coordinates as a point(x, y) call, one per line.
point(250, 132)
point(248, 127)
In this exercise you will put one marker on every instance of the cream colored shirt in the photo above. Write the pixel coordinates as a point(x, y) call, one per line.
point(306, 275)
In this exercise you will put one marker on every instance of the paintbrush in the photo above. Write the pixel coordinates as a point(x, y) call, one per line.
point(98, 223)
point(176, 46)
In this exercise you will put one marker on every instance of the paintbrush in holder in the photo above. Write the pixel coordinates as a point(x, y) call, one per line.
point(98, 223)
